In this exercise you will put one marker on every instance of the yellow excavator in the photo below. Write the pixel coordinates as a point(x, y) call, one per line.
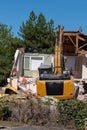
point(52, 80)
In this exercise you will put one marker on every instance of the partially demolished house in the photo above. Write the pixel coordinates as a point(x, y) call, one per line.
point(75, 55)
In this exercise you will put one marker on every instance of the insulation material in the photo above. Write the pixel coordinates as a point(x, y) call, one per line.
point(27, 84)
point(14, 82)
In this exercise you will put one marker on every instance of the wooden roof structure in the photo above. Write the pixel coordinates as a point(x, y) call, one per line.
point(74, 43)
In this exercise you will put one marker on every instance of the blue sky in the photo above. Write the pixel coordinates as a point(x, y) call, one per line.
point(70, 13)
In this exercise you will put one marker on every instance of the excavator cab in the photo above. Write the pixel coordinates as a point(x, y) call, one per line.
point(45, 69)
point(52, 81)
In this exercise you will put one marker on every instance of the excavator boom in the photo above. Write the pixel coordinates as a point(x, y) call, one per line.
point(58, 52)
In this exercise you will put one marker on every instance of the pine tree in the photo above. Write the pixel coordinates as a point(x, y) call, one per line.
point(37, 33)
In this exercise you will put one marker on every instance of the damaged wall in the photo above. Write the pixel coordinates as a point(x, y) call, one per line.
point(33, 60)
point(76, 64)
point(70, 63)
point(84, 67)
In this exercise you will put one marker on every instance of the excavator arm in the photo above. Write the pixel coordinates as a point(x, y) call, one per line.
point(58, 59)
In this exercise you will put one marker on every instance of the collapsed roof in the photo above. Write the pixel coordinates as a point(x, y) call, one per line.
point(74, 43)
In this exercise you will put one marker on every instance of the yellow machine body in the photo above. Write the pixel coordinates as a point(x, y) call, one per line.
point(60, 89)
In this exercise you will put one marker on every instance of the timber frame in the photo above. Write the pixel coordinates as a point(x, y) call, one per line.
point(74, 43)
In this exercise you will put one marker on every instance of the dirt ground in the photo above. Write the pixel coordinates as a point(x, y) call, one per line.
point(8, 125)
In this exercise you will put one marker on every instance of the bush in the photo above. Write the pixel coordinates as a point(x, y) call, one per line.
point(34, 111)
point(5, 113)
point(31, 111)
point(73, 110)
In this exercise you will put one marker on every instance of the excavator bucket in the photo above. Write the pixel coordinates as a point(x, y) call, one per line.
point(9, 90)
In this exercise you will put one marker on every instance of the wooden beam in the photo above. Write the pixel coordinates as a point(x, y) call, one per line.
point(70, 34)
point(82, 46)
point(81, 38)
point(77, 43)
point(82, 52)
point(71, 40)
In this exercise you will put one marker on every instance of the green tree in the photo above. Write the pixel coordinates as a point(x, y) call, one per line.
point(6, 52)
point(37, 33)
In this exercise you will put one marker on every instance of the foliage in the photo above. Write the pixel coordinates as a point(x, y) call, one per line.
point(38, 34)
point(73, 110)
point(5, 113)
point(5, 59)
point(29, 111)
point(8, 44)
point(35, 111)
